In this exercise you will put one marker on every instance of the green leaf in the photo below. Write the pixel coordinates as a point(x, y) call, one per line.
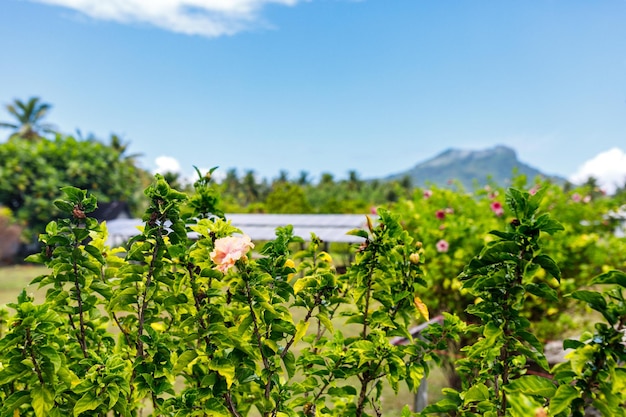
point(95, 252)
point(289, 360)
point(572, 344)
point(301, 329)
point(75, 195)
point(323, 318)
point(183, 360)
point(502, 235)
point(611, 277)
point(51, 355)
point(548, 265)
point(358, 232)
point(225, 368)
point(52, 227)
point(542, 290)
point(43, 400)
point(64, 206)
point(303, 283)
point(476, 393)
point(516, 201)
point(593, 298)
point(535, 199)
point(87, 402)
point(581, 357)
point(548, 225)
point(16, 399)
point(532, 385)
point(562, 399)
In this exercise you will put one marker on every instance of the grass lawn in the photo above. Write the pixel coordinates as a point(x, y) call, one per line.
point(15, 278)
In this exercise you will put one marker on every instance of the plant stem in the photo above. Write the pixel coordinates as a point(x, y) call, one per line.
point(29, 346)
point(231, 405)
point(257, 334)
point(81, 318)
point(144, 298)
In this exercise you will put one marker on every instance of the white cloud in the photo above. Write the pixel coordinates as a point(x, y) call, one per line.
point(211, 18)
point(167, 164)
point(609, 168)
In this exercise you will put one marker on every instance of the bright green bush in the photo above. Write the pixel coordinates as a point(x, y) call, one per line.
point(503, 278)
point(197, 327)
point(33, 171)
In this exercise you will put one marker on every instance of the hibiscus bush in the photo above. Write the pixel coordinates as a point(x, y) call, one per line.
point(511, 271)
point(452, 225)
point(182, 327)
point(186, 321)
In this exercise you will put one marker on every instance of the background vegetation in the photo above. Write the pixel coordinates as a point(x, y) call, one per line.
point(450, 223)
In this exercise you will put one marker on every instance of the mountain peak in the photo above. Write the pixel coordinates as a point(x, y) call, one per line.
point(454, 155)
point(470, 166)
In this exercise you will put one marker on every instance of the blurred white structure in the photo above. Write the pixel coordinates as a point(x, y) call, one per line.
point(327, 227)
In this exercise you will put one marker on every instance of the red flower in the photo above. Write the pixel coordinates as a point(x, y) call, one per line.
point(440, 214)
point(497, 208)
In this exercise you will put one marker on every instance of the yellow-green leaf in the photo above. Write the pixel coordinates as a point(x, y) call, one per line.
point(421, 307)
point(87, 402)
point(301, 329)
point(43, 400)
point(225, 369)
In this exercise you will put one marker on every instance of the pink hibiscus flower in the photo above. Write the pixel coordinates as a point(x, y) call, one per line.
point(229, 250)
point(497, 208)
point(442, 246)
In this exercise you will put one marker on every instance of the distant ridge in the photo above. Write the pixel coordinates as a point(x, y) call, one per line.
point(470, 167)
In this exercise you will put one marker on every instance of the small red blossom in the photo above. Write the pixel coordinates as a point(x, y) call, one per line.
point(441, 214)
point(428, 194)
point(497, 208)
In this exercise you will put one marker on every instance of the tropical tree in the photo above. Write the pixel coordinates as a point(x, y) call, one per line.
point(31, 173)
point(29, 117)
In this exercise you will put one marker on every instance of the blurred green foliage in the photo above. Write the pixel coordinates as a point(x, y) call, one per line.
point(33, 171)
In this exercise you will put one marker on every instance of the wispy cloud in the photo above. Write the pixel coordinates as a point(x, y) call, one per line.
point(210, 18)
point(608, 168)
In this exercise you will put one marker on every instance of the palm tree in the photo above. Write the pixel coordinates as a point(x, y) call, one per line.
point(121, 147)
point(29, 116)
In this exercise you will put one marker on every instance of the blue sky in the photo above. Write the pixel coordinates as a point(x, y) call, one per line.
point(374, 86)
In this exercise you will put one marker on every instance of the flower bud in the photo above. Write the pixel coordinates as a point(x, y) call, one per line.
point(78, 213)
point(414, 258)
